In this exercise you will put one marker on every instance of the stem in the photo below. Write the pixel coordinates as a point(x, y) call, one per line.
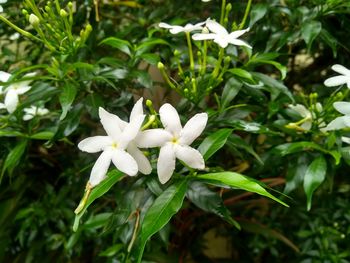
point(190, 52)
point(218, 63)
point(133, 238)
point(204, 60)
point(19, 30)
point(165, 76)
point(223, 7)
point(83, 201)
point(246, 13)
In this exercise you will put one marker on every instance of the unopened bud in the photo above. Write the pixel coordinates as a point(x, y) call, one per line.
point(160, 65)
point(63, 13)
point(34, 20)
point(24, 12)
point(149, 103)
point(228, 7)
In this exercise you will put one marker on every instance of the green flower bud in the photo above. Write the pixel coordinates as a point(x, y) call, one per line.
point(34, 20)
point(63, 13)
point(160, 65)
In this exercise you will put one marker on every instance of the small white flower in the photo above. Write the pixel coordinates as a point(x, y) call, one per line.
point(343, 121)
point(220, 35)
point(34, 20)
point(117, 146)
point(34, 111)
point(2, 2)
point(305, 113)
point(14, 36)
point(174, 141)
point(178, 29)
point(344, 78)
point(206, 0)
point(13, 90)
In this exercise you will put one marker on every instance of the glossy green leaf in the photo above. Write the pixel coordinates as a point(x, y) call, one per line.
point(213, 143)
point(309, 31)
point(44, 135)
point(161, 211)
point(239, 181)
point(13, 158)
point(118, 43)
point(67, 97)
point(314, 176)
point(9, 133)
point(258, 11)
point(241, 73)
point(231, 89)
point(200, 195)
point(113, 177)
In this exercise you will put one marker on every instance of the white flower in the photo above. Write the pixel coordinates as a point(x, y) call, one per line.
point(174, 141)
point(307, 115)
point(2, 2)
point(178, 29)
point(34, 111)
point(344, 78)
point(220, 35)
point(14, 36)
point(343, 121)
point(206, 0)
point(117, 146)
point(13, 90)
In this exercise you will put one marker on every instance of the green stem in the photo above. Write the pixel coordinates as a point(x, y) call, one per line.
point(204, 60)
point(218, 63)
point(223, 7)
point(165, 76)
point(190, 52)
point(246, 13)
point(19, 30)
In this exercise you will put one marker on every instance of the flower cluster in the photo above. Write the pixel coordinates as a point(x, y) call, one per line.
point(123, 140)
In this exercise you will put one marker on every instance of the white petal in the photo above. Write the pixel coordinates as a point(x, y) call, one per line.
point(221, 41)
point(301, 109)
point(306, 125)
point(143, 164)
point(153, 138)
point(193, 128)
point(238, 33)
point(1, 9)
point(342, 107)
point(215, 27)
point(130, 131)
point(341, 69)
point(345, 139)
point(111, 123)
point(11, 100)
point(165, 25)
point(27, 117)
point(124, 162)
point(166, 163)
point(239, 42)
point(176, 29)
point(336, 81)
point(95, 144)
point(137, 109)
point(22, 89)
point(99, 171)
point(201, 36)
point(170, 119)
point(338, 123)
point(4, 76)
point(190, 156)
point(2, 106)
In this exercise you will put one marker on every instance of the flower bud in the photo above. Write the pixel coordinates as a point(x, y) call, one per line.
point(63, 13)
point(160, 65)
point(34, 20)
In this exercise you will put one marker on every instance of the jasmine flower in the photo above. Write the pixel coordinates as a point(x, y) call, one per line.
point(34, 111)
point(344, 78)
point(178, 29)
point(343, 121)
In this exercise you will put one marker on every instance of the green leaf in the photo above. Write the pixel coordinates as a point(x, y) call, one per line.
point(13, 158)
point(231, 89)
point(150, 58)
point(148, 44)
point(66, 98)
point(161, 211)
point(241, 73)
point(258, 11)
point(9, 133)
point(239, 181)
point(112, 178)
point(209, 201)
point(118, 43)
point(294, 147)
point(44, 135)
point(314, 176)
point(309, 31)
point(214, 142)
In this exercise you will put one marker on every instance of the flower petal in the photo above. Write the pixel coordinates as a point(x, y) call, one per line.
point(221, 41)
point(100, 168)
point(95, 144)
point(202, 36)
point(342, 107)
point(137, 109)
point(166, 163)
point(4, 76)
point(301, 109)
point(216, 28)
point(124, 162)
point(336, 81)
point(239, 42)
point(111, 123)
point(152, 138)
point(193, 128)
point(130, 132)
point(170, 119)
point(238, 33)
point(143, 164)
point(21, 89)
point(2, 106)
point(11, 100)
point(190, 156)
point(338, 123)
point(27, 117)
point(341, 69)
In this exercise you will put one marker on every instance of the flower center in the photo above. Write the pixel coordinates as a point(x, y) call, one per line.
point(175, 140)
point(114, 145)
